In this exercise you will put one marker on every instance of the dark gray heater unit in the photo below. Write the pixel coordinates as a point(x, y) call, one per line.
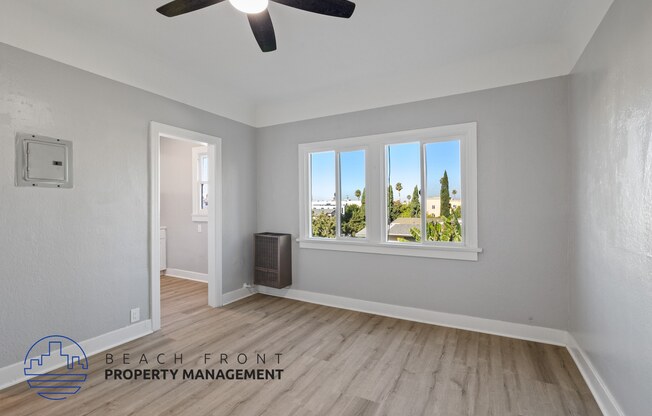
point(273, 260)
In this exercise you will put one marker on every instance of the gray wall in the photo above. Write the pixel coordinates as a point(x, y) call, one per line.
point(75, 261)
point(187, 248)
point(611, 129)
point(522, 276)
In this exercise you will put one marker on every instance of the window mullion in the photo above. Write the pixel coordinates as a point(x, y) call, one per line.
point(423, 195)
point(383, 194)
point(338, 198)
point(307, 223)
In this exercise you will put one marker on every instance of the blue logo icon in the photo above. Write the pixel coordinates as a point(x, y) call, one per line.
point(60, 353)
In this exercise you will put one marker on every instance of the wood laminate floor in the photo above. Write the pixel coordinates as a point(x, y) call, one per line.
point(335, 362)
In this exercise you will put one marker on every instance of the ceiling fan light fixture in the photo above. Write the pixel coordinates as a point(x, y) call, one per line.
point(250, 6)
point(258, 16)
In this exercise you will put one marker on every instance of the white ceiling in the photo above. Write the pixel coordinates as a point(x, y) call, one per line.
point(389, 52)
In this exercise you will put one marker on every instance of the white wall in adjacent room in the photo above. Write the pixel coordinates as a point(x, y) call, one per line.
point(187, 247)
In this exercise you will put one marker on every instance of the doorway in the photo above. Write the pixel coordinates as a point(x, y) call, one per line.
point(212, 212)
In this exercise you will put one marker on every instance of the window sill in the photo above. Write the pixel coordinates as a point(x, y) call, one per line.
point(450, 253)
point(200, 218)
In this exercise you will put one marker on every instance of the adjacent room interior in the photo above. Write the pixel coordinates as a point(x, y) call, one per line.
point(184, 213)
point(302, 207)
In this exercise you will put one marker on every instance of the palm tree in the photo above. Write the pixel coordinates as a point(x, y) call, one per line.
point(358, 193)
point(454, 193)
point(409, 197)
point(399, 188)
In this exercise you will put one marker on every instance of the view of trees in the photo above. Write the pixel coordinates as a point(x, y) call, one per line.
point(351, 221)
point(390, 205)
point(323, 225)
point(446, 227)
point(397, 209)
point(449, 229)
point(445, 197)
point(414, 205)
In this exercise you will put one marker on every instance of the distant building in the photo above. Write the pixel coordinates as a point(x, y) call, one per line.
point(329, 207)
point(434, 205)
point(324, 207)
point(349, 202)
point(399, 228)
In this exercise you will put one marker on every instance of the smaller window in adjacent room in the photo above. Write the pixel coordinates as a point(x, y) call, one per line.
point(410, 193)
point(200, 184)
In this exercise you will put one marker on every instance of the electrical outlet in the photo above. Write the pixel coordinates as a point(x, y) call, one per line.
point(135, 315)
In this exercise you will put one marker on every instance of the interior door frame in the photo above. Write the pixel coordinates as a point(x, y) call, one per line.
point(156, 132)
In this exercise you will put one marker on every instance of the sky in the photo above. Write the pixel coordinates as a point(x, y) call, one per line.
point(404, 167)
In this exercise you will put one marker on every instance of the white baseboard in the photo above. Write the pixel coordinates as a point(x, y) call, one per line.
point(602, 394)
point(236, 295)
point(227, 298)
point(14, 374)
point(488, 326)
point(185, 274)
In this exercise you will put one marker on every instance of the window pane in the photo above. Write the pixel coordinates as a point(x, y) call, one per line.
point(444, 177)
point(352, 192)
point(403, 200)
point(203, 195)
point(203, 168)
point(322, 174)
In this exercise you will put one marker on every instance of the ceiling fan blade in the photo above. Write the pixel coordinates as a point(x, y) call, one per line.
point(177, 7)
point(261, 25)
point(336, 8)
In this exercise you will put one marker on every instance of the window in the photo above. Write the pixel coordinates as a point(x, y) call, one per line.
point(409, 193)
point(435, 168)
point(403, 213)
point(323, 205)
point(200, 184)
point(443, 181)
point(337, 194)
point(353, 194)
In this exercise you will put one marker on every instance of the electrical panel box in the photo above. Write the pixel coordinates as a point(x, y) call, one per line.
point(43, 161)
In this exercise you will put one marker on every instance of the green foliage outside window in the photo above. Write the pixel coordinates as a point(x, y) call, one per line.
point(415, 204)
point(449, 229)
point(445, 197)
point(391, 210)
point(323, 225)
point(353, 220)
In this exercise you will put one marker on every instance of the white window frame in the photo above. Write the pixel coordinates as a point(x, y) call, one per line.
point(198, 214)
point(376, 194)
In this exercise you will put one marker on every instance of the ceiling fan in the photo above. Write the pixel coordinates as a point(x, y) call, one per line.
point(259, 18)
